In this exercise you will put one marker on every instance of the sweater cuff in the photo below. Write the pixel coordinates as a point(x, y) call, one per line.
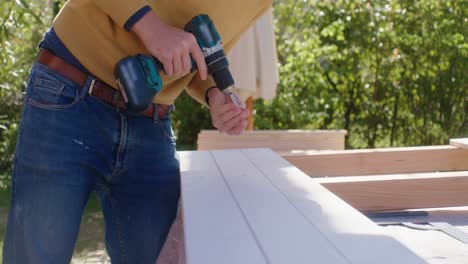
point(136, 17)
point(120, 10)
point(197, 88)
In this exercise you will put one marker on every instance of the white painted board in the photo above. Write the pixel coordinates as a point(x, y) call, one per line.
point(352, 234)
point(459, 142)
point(252, 206)
point(214, 229)
point(283, 232)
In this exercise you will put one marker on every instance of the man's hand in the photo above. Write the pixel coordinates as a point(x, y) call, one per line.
point(225, 115)
point(171, 46)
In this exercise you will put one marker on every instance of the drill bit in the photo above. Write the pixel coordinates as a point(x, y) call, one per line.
point(234, 98)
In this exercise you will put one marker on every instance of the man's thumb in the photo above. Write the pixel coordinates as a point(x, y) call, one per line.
point(217, 97)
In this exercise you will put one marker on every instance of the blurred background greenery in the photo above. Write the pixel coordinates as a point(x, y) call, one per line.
point(392, 73)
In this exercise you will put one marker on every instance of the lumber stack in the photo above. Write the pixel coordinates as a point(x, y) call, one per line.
point(391, 178)
point(278, 140)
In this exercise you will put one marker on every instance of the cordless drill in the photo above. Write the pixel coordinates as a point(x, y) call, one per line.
point(138, 76)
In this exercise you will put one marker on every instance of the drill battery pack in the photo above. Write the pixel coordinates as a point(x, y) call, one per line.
point(138, 80)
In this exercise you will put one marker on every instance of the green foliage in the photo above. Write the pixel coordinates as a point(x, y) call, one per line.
point(7, 146)
point(21, 26)
point(188, 119)
point(390, 72)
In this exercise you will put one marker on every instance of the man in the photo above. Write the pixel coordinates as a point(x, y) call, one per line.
point(76, 136)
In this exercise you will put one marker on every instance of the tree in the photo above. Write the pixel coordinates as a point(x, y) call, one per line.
point(389, 72)
point(21, 28)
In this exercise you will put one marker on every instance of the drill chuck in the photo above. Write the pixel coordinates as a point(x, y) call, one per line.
point(223, 78)
point(217, 65)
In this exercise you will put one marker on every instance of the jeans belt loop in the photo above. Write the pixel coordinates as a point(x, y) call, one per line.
point(91, 86)
point(155, 113)
point(87, 89)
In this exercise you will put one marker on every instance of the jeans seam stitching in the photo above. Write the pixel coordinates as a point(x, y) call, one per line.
point(122, 144)
point(14, 191)
point(13, 234)
point(166, 134)
point(54, 107)
point(119, 227)
point(36, 83)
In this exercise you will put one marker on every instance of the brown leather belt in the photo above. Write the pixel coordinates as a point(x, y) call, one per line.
point(97, 89)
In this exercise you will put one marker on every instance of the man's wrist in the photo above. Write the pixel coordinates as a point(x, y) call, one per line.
point(136, 17)
point(147, 25)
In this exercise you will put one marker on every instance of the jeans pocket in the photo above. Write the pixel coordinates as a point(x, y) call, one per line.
point(48, 90)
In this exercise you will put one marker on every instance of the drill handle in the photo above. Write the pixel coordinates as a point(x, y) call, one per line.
point(160, 66)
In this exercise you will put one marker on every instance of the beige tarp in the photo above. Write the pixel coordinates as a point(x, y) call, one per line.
point(253, 61)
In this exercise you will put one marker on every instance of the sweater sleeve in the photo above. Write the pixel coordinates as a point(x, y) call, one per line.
point(121, 10)
point(198, 87)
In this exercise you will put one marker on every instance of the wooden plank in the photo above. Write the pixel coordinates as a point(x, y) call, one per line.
point(258, 144)
point(281, 140)
point(282, 132)
point(401, 191)
point(379, 161)
point(459, 142)
point(250, 119)
point(354, 235)
point(285, 235)
point(215, 230)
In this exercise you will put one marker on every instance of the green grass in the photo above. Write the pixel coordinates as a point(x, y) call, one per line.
point(4, 198)
point(90, 240)
point(4, 201)
point(1, 250)
point(91, 237)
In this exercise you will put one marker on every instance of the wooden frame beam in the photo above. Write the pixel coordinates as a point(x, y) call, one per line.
point(401, 191)
point(278, 140)
point(379, 161)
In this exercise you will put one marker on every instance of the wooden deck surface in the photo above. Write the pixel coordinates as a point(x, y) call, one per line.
point(252, 206)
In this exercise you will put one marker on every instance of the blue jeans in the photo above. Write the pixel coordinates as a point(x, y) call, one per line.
point(70, 145)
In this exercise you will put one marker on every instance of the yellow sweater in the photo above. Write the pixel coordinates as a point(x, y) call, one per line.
point(93, 32)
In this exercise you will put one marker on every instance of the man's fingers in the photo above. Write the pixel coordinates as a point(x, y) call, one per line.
point(223, 114)
point(233, 122)
point(237, 130)
point(230, 122)
point(167, 63)
point(177, 64)
point(197, 55)
point(228, 115)
point(245, 112)
point(224, 109)
point(186, 63)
